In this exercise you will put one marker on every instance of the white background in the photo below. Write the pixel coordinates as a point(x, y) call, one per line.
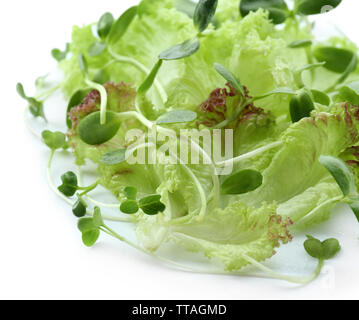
point(41, 255)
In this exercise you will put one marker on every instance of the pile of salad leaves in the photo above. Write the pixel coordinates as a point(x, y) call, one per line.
point(252, 66)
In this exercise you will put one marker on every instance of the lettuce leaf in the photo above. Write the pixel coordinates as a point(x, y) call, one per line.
point(247, 47)
point(314, 205)
point(296, 187)
point(237, 231)
point(288, 175)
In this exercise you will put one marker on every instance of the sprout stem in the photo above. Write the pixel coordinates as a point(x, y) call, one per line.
point(51, 183)
point(302, 220)
point(270, 273)
point(150, 125)
point(299, 280)
point(197, 183)
point(67, 200)
point(46, 94)
point(103, 94)
point(143, 69)
point(250, 154)
point(233, 117)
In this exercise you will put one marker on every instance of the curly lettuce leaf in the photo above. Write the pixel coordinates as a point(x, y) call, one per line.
point(227, 10)
point(247, 47)
point(314, 205)
point(231, 234)
point(157, 27)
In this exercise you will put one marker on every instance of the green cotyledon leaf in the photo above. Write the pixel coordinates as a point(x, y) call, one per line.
point(301, 106)
point(177, 116)
point(92, 132)
point(54, 140)
point(204, 13)
point(340, 172)
point(104, 25)
point(180, 51)
point(121, 25)
point(278, 10)
point(310, 7)
point(242, 182)
point(151, 205)
point(114, 157)
point(322, 250)
point(337, 59)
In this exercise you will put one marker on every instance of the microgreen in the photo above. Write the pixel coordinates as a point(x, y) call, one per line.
point(301, 106)
point(90, 237)
point(230, 77)
point(310, 7)
point(282, 90)
point(278, 10)
point(130, 193)
point(121, 25)
point(90, 228)
point(350, 93)
point(129, 207)
point(298, 73)
point(86, 224)
point(298, 44)
point(320, 97)
point(151, 205)
point(322, 250)
point(59, 55)
point(92, 132)
point(36, 107)
point(79, 208)
point(177, 116)
point(83, 64)
point(337, 59)
point(350, 68)
point(341, 173)
point(104, 25)
point(242, 182)
point(96, 49)
point(181, 51)
point(54, 140)
point(310, 66)
point(203, 14)
point(40, 82)
point(114, 157)
point(148, 82)
point(97, 217)
point(69, 184)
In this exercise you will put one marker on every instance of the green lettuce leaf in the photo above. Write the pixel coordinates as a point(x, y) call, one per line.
point(231, 234)
point(295, 166)
point(313, 205)
point(247, 47)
